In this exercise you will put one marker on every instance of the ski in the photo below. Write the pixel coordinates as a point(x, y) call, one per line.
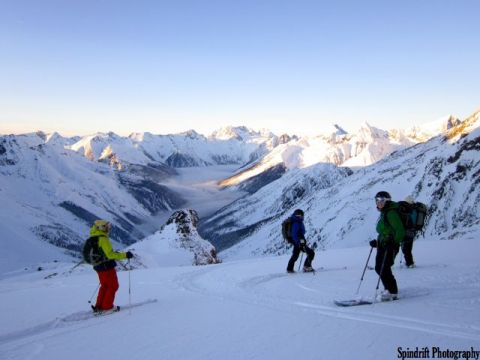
point(319, 269)
point(141, 303)
point(84, 315)
point(354, 302)
point(105, 312)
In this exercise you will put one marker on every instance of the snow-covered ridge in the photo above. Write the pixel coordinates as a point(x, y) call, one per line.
point(232, 145)
point(129, 180)
point(442, 173)
point(361, 148)
point(176, 243)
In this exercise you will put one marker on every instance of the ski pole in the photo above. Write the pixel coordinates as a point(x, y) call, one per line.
point(122, 265)
point(129, 289)
point(65, 272)
point(73, 268)
point(300, 263)
point(364, 269)
point(91, 297)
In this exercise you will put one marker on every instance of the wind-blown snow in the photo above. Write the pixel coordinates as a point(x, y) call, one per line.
point(250, 309)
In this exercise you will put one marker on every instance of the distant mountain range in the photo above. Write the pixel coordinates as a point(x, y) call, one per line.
point(53, 187)
point(443, 172)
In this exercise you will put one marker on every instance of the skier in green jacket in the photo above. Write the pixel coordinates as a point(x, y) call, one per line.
point(105, 269)
point(391, 233)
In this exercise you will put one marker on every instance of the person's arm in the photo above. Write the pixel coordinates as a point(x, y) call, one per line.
point(107, 249)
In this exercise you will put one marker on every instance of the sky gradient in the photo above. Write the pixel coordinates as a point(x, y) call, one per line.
point(79, 67)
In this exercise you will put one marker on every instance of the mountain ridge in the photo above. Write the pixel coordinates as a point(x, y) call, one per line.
point(128, 181)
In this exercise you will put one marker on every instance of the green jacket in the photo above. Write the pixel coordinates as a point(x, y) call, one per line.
point(106, 246)
point(389, 225)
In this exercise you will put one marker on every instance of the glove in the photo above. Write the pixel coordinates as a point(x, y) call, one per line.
point(373, 243)
point(302, 243)
point(129, 255)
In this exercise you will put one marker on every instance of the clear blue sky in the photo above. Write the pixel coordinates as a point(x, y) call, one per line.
point(81, 66)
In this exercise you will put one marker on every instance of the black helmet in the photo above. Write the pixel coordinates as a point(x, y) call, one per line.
point(298, 212)
point(383, 195)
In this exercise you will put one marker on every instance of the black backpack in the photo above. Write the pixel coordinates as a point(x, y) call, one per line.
point(413, 216)
point(287, 230)
point(92, 254)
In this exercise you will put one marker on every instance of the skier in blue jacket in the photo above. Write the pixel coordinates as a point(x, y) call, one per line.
point(299, 243)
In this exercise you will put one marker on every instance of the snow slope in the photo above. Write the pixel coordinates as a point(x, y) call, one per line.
point(250, 309)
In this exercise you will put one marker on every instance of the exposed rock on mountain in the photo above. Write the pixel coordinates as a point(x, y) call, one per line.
point(176, 243)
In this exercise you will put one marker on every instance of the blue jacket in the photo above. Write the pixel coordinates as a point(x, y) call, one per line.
point(298, 229)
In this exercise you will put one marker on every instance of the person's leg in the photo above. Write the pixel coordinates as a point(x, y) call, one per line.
point(111, 289)
point(101, 290)
point(310, 255)
point(407, 252)
point(293, 258)
point(383, 267)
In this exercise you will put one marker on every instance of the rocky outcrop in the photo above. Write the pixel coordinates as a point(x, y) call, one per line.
point(186, 222)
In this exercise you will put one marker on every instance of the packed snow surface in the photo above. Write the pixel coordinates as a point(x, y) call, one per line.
point(249, 309)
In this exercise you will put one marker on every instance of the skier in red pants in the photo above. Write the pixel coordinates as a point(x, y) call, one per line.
point(105, 268)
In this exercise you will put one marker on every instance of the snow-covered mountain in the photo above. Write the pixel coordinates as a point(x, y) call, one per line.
point(52, 187)
point(231, 145)
point(361, 148)
point(442, 172)
point(244, 217)
point(176, 243)
point(51, 195)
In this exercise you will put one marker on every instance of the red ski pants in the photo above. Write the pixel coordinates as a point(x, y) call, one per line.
point(108, 288)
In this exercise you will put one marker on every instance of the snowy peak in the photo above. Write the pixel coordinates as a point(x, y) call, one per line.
point(285, 138)
point(369, 133)
point(176, 243)
point(186, 222)
point(364, 147)
point(228, 133)
point(431, 129)
point(188, 149)
point(240, 133)
point(452, 122)
point(339, 130)
point(333, 129)
point(464, 127)
point(192, 134)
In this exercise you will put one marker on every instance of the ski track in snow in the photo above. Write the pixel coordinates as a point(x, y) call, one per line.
point(438, 306)
point(65, 321)
point(246, 291)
